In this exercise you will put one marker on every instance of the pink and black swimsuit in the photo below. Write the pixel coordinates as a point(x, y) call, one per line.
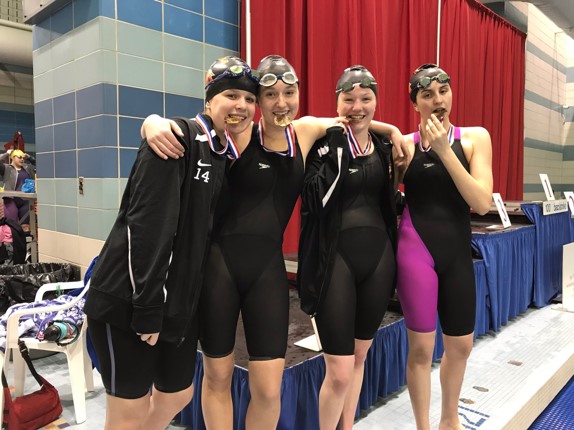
point(434, 260)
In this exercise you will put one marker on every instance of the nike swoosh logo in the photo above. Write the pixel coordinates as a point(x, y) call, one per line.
point(201, 164)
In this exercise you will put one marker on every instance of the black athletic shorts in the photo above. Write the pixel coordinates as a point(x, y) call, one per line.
point(129, 366)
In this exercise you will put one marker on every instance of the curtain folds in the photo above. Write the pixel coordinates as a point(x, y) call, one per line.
point(483, 54)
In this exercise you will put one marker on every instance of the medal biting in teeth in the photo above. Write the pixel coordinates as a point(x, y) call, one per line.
point(232, 119)
point(282, 120)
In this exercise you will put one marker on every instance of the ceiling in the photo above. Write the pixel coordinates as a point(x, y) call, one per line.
point(561, 12)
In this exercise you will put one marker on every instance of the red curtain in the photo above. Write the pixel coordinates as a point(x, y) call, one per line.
point(391, 38)
point(485, 58)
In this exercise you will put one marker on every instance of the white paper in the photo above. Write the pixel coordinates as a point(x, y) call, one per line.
point(501, 210)
point(569, 195)
point(547, 187)
point(312, 342)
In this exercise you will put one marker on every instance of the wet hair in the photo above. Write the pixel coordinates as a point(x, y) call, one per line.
point(430, 71)
point(227, 73)
point(354, 75)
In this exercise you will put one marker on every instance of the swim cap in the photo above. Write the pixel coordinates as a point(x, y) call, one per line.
point(423, 77)
point(274, 67)
point(356, 75)
point(228, 73)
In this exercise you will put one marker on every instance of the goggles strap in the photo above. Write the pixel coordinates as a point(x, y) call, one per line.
point(354, 147)
point(289, 135)
point(209, 133)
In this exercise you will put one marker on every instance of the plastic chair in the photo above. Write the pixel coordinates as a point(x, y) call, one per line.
point(79, 363)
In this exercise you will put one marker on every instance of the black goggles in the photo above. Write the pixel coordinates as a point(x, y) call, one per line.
point(441, 78)
point(236, 72)
point(270, 79)
point(366, 82)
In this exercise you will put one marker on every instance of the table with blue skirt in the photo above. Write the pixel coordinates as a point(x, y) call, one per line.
point(551, 233)
point(508, 257)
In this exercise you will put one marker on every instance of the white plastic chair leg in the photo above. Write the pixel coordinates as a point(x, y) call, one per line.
point(76, 368)
point(20, 369)
point(88, 372)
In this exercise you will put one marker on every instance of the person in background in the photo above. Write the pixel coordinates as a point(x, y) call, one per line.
point(450, 171)
point(145, 287)
point(346, 272)
point(14, 175)
point(246, 266)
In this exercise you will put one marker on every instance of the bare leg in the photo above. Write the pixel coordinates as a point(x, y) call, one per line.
point(216, 402)
point(165, 406)
point(453, 365)
point(352, 399)
point(419, 362)
point(126, 414)
point(265, 378)
point(338, 380)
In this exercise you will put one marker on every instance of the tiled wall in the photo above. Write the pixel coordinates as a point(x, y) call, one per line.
point(100, 67)
point(547, 148)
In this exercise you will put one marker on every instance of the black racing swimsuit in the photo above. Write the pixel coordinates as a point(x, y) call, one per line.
point(364, 267)
point(246, 270)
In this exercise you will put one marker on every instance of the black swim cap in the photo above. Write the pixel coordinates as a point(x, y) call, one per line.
point(423, 76)
point(356, 75)
point(274, 67)
point(227, 73)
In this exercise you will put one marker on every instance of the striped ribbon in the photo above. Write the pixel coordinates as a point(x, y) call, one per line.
point(289, 135)
point(354, 147)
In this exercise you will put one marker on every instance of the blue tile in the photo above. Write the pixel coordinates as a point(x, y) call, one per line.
point(194, 5)
point(130, 132)
point(65, 108)
point(127, 158)
point(62, 21)
point(139, 103)
point(43, 113)
point(41, 34)
point(182, 23)
point(98, 163)
point(96, 100)
point(108, 8)
point(24, 117)
point(146, 13)
point(220, 34)
point(45, 165)
point(225, 10)
point(176, 105)
point(97, 131)
point(86, 10)
point(65, 136)
point(65, 164)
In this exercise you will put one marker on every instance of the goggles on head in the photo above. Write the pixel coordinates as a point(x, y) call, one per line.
point(423, 83)
point(235, 71)
point(366, 82)
point(270, 79)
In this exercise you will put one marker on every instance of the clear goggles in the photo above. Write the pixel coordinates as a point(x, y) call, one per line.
point(270, 79)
